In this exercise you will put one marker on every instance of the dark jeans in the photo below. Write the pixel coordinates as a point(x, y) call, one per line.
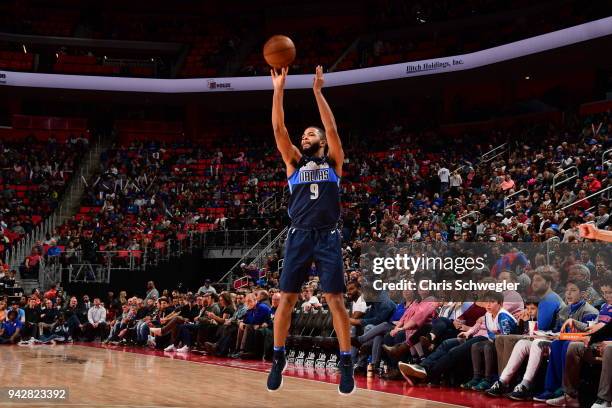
point(448, 355)
point(92, 332)
point(7, 340)
point(389, 340)
point(29, 330)
point(227, 340)
point(484, 360)
point(74, 324)
point(443, 329)
point(206, 333)
point(185, 334)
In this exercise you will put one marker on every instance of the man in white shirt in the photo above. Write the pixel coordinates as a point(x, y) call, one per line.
point(310, 300)
point(96, 321)
point(358, 305)
point(455, 183)
point(444, 175)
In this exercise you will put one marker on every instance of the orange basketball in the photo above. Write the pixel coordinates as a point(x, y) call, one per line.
point(279, 51)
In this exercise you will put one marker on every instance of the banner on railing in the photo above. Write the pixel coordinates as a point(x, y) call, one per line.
point(544, 42)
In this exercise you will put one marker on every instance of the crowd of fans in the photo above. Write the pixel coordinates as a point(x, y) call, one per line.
point(148, 194)
point(33, 175)
point(410, 187)
point(440, 192)
point(419, 335)
point(236, 324)
point(449, 193)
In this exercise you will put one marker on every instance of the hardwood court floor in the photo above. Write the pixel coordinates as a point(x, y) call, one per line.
point(104, 377)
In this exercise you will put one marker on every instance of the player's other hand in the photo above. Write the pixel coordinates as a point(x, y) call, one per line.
point(588, 231)
point(318, 81)
point(278, 78)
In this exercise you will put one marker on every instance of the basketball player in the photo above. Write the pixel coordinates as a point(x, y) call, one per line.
point(590, 231)
point(313, 173)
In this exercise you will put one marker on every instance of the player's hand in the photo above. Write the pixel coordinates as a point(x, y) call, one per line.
point(318, 81)
point(278, 79)
point(588, 231)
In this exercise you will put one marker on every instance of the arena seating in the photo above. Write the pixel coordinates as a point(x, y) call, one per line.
point(453, 36)
point(155, 190)
point(388, 33)
point(37, 158)
point(16, 61)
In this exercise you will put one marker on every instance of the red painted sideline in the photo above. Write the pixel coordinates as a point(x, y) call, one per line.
point(439, 394)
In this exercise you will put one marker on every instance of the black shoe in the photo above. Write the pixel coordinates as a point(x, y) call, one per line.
point(360, 370)
point(210, 348)
point(275, 378)
point(498, 389)
point(392, 374)
point(347, 381)
point(521, 393)
point(247, 355)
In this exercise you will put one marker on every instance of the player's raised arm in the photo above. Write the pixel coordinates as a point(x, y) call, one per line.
point(335, 153)
point(290, 153)
point(589, 231)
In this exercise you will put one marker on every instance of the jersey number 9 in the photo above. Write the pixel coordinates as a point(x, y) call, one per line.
point(314, 191)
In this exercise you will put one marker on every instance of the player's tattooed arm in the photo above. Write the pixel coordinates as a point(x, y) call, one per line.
point(336, 154)
point(290, 153)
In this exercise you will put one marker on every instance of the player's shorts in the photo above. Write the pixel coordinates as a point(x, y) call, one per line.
point(302, 247)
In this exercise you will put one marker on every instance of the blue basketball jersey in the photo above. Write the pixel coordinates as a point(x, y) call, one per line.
point(315, 194)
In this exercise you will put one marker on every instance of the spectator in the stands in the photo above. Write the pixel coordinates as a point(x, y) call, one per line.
point(227, 337)
point(10, 329)
point(9, 279)
point(227, 310)
point(414, 324)
point(574, 317)
point(32, 318)
point(309, 299)
point(51, 294)
point(549, 302)
point(53, 250)
point(379, 312)
point(578, 352)
point(120, 322)
point(444, 175)
point(376, 336)
point(96, 321)
point(580, 272)
point(48, 317)
point(31, 265)
point(59, 334)
point(208, 325)
point(72, 314)
point(453, 351)
point(206, 288)
point(256, 315)
point(152, 292)
point(3, 310)
point(20, 312)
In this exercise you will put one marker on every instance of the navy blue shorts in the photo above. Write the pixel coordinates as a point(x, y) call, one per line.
point(324, 248)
